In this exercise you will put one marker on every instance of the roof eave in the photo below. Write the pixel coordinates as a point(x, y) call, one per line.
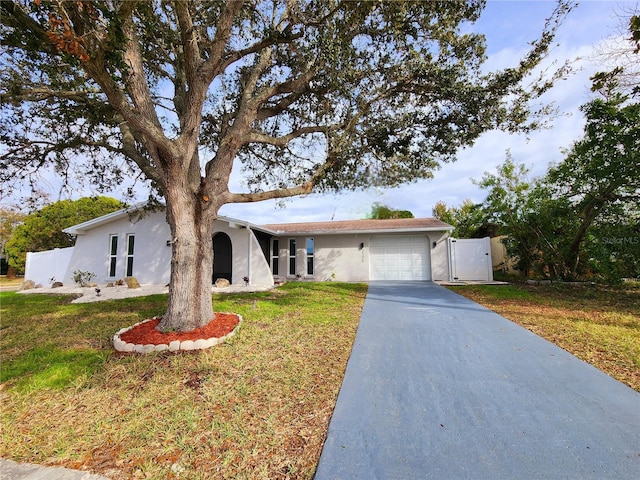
point(364, 231)
point(82, 228)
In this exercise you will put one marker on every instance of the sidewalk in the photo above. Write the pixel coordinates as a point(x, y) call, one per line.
point(438, 387)
point(10, 470)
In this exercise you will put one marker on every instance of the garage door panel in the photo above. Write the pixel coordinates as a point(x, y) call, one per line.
point(399, 258)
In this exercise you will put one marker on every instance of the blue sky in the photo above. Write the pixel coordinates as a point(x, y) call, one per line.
point(509, 26)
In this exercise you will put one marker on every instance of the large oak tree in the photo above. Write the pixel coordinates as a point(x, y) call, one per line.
point(306, 96)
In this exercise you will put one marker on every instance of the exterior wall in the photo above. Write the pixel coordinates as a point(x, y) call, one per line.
point(340, 257)
point(239, 249)
point(259, 272)
point(336, 257)
point(151, 259)
point(152, 256)
point(42, 267)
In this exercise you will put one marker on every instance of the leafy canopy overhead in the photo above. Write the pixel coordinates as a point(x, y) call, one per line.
point(321, 95)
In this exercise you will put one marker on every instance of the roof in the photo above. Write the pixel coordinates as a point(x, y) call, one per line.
point(84, 227)
point(361, 226)
point(400, 225)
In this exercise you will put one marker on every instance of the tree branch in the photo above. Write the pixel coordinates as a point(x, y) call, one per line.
point(37, 94)
point(282, 141)
point(216, 63)
point(269, 195)
point(190, 45)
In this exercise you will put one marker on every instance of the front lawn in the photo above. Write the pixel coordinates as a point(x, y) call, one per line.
point(255, 407)
point(598, 324)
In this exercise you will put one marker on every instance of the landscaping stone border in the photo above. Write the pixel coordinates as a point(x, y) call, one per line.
point(186, 345)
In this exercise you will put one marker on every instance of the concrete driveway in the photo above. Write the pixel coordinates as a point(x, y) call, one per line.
point(438, 387)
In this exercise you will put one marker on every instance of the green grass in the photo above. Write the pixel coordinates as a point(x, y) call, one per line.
point(50, 367)
point(502, 292)
point(599, 324)
point(257, 406)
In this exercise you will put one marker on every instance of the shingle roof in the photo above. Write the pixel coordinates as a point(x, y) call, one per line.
point(361, 226)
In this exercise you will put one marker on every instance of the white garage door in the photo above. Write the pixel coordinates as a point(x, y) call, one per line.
point(399, 258)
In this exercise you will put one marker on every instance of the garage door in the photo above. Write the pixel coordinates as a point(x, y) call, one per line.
point(399, 258)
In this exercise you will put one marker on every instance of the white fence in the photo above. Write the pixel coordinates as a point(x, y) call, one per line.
point(47, 267)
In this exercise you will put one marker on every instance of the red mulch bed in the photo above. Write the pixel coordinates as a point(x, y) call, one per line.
point(146, 333)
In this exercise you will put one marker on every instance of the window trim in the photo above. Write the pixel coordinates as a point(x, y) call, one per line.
point(112, 267)
point(310, 257)
point(130, 254)
point(275, 256)
point(292, 258)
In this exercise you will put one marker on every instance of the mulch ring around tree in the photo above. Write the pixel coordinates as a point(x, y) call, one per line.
point(143, 337)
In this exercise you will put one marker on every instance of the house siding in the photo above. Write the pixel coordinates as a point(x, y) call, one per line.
point(152, 256)
point(336, 257)
point(340, 258)
point(342, 250)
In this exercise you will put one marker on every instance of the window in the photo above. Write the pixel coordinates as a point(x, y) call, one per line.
point(275, 256)
point(130, 246)
point(310, 254)
point(292, 257)
point(113, 255)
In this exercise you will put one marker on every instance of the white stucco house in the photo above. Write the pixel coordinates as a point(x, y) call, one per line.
point(125, 243)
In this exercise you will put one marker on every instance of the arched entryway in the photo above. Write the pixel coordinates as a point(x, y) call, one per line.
point(222, 257)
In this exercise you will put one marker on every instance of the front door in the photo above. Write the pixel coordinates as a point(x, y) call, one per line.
point(222, 257)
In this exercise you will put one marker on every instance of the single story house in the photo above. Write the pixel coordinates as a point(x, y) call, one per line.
point(127, 243)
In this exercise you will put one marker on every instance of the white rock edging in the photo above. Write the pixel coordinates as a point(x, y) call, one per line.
point(200, 344)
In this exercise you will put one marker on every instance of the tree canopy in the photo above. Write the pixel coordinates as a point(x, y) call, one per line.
point(469, 219)
point(42, 230)
point(306, 96)
point(583, 216)
point(316, 94)
point(10, 218)
point(383, 212)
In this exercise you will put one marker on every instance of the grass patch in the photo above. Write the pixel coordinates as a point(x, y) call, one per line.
point(598, 324)
point(50, 367)
point(255, 407)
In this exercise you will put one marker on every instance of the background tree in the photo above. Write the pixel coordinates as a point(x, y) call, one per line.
point(42, 230)
point(469, 218)
point(509, 205)
point(382, 212)
point(583, 216)
point(306, 95)
point(9, 219)
point(621, 52)
point(613, 247)
point(600, 175)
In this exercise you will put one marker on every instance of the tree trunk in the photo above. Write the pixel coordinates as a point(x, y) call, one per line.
point(191, 222)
